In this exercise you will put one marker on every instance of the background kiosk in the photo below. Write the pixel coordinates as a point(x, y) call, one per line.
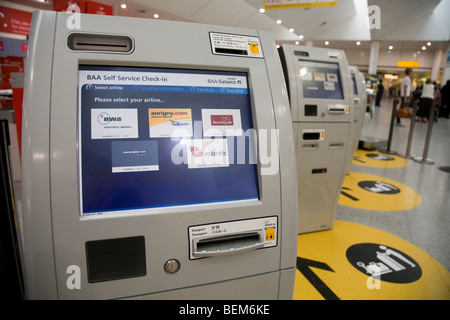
point(321, 99)
point(140, 175)
point(359, 110)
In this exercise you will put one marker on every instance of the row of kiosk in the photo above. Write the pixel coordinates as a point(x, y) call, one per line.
point(171, 160)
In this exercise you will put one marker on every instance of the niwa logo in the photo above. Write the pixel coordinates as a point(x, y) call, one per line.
point(104, 118)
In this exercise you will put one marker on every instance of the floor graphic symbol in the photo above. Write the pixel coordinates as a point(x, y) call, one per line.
point(370, 192)
point(383, 262)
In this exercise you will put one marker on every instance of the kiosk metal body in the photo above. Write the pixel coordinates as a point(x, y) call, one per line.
point(321, 98)
point(359, 110)
point(134, 185)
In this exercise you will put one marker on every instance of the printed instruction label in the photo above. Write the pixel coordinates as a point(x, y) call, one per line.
point(235, 45)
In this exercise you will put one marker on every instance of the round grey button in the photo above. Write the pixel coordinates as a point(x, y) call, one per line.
point(172, 266)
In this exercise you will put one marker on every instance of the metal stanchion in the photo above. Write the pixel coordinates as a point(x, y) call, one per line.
point(391, 130)
point(411, 132)
point(424, 158)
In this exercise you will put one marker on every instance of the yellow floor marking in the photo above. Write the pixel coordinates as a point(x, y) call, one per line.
point(326, 272)
point(370, 192)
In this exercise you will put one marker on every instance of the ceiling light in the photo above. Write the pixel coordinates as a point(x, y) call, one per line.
point(327, 43)
point(300, 37)
point(262, 10)
point(156, 16)
point(391, 47)
point(428, 43)
point(123, 6)
point(279, 21)
point(297, 42)
point(291, 30)
point(424, 48)
point(358, 43)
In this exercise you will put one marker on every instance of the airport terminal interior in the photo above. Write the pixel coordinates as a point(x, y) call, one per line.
point(357, 208)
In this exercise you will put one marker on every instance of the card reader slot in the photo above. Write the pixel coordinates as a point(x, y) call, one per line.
point(310, 146)
point(228, 244)
point(99, 42)
point(336, 145)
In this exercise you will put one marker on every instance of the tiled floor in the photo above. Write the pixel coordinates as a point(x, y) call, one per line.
point(426, 226)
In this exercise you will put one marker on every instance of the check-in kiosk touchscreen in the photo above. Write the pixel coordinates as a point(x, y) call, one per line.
point(154, 137)
point(321, 80)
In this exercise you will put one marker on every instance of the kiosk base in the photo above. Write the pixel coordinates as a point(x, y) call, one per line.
point(269, 286)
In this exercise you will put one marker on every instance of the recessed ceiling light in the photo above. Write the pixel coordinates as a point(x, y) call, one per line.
point(327, 43)
point(391, 47)
point(279, 21)
point(297, 42)
point(428, 43)
point(262, 10)
point(156, 16)
point(424, 48)
point(123, 6)
point(291, 30)
point(358, 43)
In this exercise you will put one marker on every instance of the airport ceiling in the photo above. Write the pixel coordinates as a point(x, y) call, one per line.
point(406, 24)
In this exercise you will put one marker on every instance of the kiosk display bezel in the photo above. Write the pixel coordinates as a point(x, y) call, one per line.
point(129, 167)
point(318, 81)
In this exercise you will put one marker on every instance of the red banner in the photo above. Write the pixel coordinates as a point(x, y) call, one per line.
point(62, 5)
point(98, 8)
point(14, 21)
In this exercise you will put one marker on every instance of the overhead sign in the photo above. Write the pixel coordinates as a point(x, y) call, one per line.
point(407, 64)
point(284, 4)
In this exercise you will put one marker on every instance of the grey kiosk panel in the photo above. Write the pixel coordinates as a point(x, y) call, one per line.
point(133, 184)
point(321, 100)
point(359, 110)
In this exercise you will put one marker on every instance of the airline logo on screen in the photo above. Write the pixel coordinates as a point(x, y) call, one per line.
point(207, 153)
point(114, 123)
point(104, 118)
point(222, 120)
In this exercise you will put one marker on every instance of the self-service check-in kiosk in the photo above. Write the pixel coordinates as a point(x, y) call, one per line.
point(321, 98)
point(158, 162)
point(359, 110)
